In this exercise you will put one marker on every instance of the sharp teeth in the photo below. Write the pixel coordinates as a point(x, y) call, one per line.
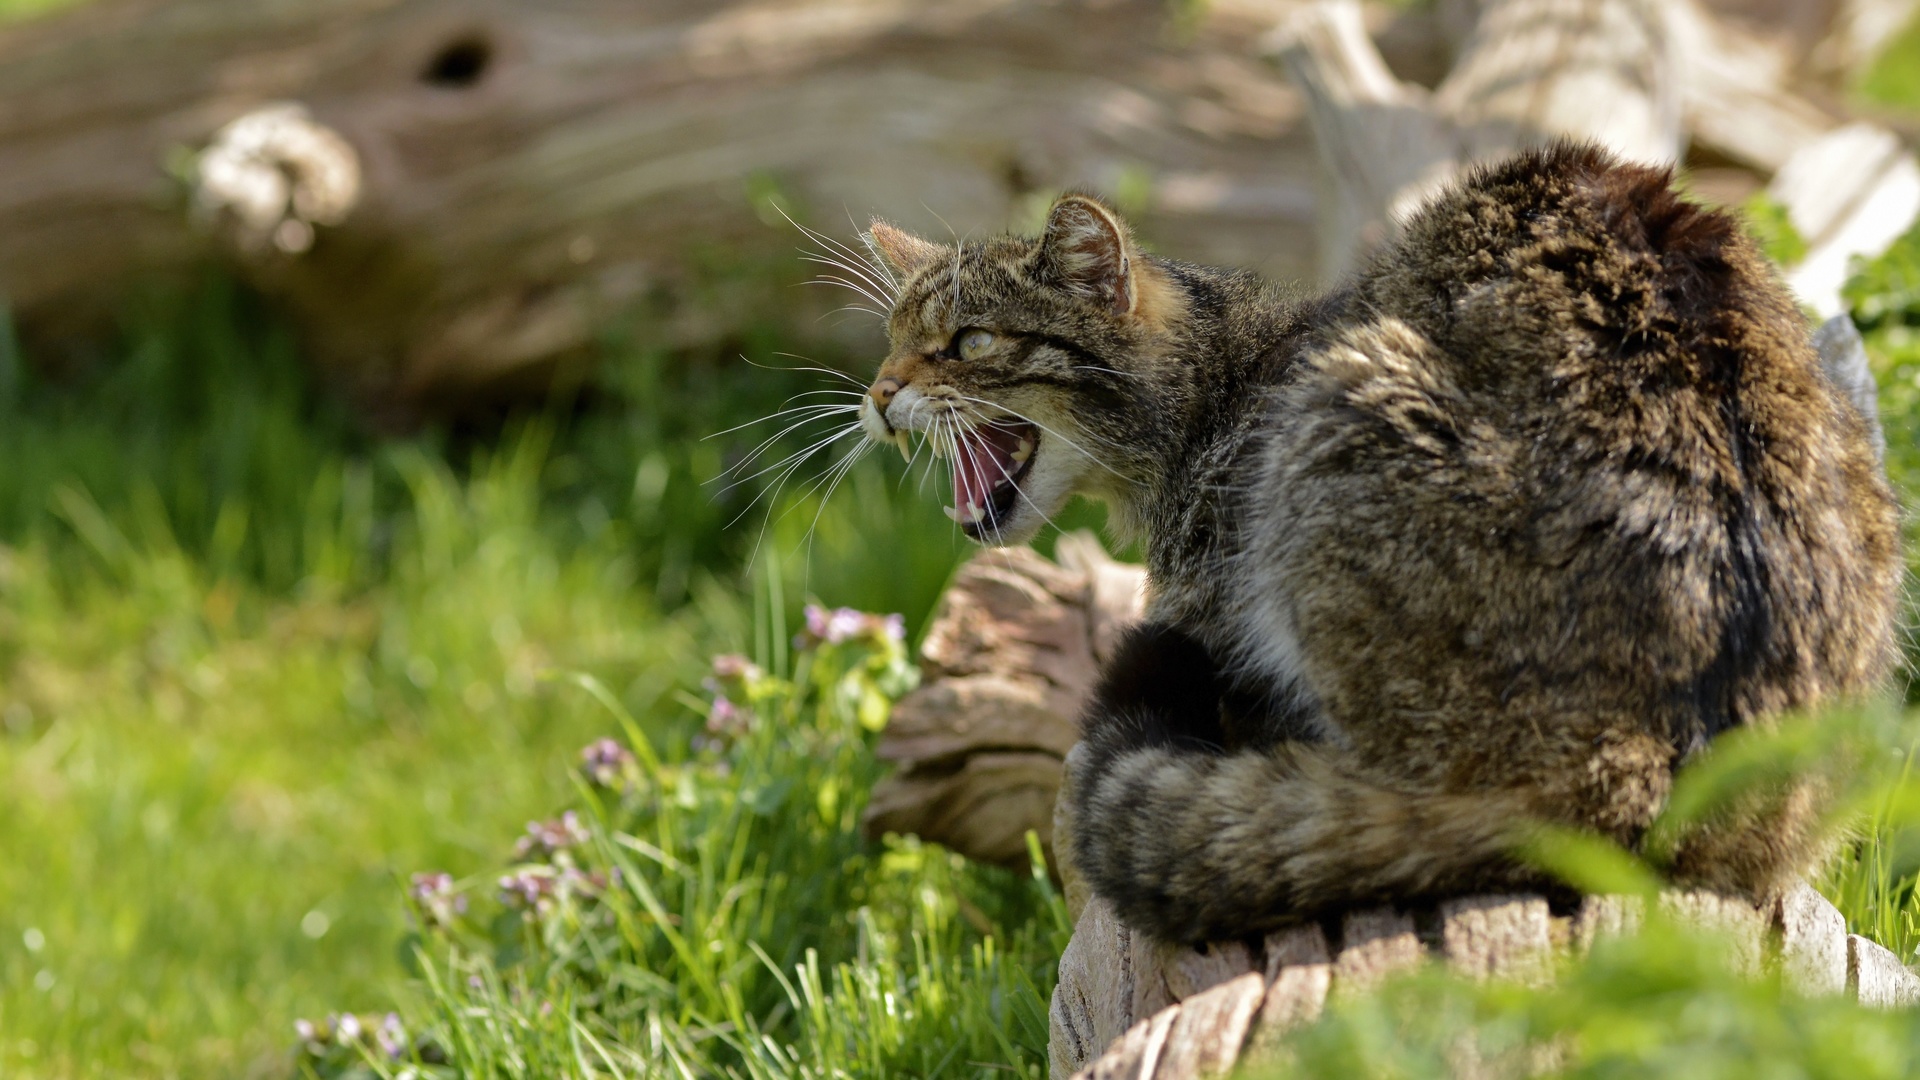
point(1023, 451)
point(938, 445)
point(900, 440)
point(952, 514)
point(976, 513)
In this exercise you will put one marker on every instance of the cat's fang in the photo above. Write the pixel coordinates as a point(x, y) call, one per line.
point(900, 440)
point(953, 515)
point(976, 513)
point(1023, 451)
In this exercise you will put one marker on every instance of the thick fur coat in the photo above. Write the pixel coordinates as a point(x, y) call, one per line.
point(1501, 531)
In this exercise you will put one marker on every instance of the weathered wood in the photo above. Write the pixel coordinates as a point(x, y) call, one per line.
point(1504, 937)
point(527, 170)
point(1604, 917)
point(1374, 944)
point(1743, 927)
point(1737, 92)
point(1211, 1029)
point(1843, 353)
point(1012, 653)
point(1528, 71)
point(1851, 192)
point(1092, 1002)
point(1299, 974)
point(1138, 1054)
point(1508, 937)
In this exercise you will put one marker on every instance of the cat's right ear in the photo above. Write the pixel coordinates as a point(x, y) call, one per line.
point(904, 253)
point(1087, 249)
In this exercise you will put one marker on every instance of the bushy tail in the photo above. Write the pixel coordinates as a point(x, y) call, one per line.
point(1198, 846)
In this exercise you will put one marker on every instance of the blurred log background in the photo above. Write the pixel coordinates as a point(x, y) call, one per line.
point(452, 197)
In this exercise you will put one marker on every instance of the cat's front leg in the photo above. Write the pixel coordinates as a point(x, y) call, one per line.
point(1160, 689)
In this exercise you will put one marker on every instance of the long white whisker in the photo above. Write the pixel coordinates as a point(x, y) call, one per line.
point(837, 474)
point(859, 282)
point(846, 283)
point(869, 257)
point(770, 441)
point(826, 241)
point(811, 367)
point(878, 267)
point(815, 407)
point(796, 457)
point(772, 492)
point(881, 315)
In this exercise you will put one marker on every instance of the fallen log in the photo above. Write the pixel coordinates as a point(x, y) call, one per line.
point(450, 196)
point(1129, 1007)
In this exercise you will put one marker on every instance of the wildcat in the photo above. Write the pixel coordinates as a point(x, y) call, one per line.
point(1501, 530)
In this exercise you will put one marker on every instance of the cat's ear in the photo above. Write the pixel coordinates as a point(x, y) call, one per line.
point(1087, 249)
point(904, 253)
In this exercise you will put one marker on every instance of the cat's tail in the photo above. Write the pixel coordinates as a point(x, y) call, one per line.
point(1198, 846)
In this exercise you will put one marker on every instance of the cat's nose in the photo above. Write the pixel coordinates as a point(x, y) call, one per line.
point(882, 392)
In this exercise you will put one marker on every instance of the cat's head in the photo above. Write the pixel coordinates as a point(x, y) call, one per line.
point(1029, 364)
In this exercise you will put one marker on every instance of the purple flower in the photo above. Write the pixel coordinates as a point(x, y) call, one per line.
point(346, 1027)
point(434, 897)
point(529, 890)
point(842, 625)
point(816, 618)
point(727, 719)
point(544, 838)
point(587, 884)
point(605, 762)
point(391, 1037)
point(733, 666)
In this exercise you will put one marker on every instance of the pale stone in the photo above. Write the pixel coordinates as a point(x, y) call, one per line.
point(1813, 942)
point(1876, 978)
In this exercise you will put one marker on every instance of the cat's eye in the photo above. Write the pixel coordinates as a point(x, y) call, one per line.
point(975, 343)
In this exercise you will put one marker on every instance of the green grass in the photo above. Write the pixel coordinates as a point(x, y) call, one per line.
point(1894, 78)
point(256, 668)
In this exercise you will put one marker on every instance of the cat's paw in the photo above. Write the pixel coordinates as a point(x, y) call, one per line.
point(1161, 688)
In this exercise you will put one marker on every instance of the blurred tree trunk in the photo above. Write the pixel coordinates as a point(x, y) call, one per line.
point(453, 195)
point(474, 187)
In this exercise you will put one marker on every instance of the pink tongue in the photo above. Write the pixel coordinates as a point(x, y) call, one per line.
point(981, 464)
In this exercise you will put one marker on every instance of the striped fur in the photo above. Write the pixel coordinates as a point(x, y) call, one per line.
point(1500, 531)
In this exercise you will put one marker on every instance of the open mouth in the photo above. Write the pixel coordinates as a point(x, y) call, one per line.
point(989, 461)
